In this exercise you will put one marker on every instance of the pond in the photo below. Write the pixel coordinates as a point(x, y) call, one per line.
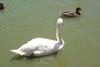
point(23, 20)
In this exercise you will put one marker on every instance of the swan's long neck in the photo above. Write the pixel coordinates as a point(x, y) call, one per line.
point(58, 35)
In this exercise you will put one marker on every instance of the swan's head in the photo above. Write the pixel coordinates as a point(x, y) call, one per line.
point(60, 21)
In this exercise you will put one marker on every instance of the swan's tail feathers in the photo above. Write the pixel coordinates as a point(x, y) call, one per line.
point(16, 51)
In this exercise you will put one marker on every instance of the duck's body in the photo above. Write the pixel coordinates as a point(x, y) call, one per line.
point(71, 13)
point(41, 46)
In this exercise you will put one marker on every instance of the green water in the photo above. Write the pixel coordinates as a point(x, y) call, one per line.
point(23, 20)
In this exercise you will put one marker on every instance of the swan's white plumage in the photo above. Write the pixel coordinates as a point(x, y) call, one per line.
point(59, 21)
point(40, 46)
point(18, 52)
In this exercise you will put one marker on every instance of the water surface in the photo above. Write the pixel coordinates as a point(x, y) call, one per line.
point(23, 20)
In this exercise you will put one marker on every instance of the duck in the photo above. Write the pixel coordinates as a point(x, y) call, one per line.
point(2, 6)
point(72, 13)
point(42, 46)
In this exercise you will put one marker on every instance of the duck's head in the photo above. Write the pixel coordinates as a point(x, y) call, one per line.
point(77, 10)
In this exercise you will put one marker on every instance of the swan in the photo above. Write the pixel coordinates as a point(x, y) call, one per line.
point(42, 46)
point(71, 13)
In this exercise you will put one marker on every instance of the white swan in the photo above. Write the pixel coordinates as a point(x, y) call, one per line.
point(42, 46)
